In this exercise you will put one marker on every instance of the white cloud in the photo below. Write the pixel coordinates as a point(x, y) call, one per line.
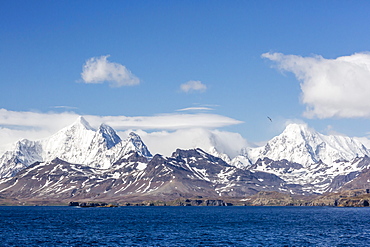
point(200, 108)
point(166, 121)
point(64, 107)
point(191, 86)
point(165, 142)
point(330, 87)
point(24, 120)
point(99, 70)
point(32, 125)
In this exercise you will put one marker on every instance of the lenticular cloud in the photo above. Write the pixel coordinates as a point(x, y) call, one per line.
point(192, 86)
point(99, 70)
point(330, 87)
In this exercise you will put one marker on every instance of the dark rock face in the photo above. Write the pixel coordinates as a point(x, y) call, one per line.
point(109, 134)
point(361, 180)
point(91, 204)
point(215, 203)
point(353, 180)
point(340, 180)
point(74, 204)
point(365, 161)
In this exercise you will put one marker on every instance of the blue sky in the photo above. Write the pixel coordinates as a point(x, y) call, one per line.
point(44, 46)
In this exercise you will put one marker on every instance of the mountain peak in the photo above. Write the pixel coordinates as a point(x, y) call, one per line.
point(138, 144)
point(297, 128)
point(110, 135)
point(81, 121)
point(299, 132)
point(134, 136)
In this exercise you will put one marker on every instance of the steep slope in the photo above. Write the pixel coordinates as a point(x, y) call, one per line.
point(25, 152)
point(106, 148)
point(70, 144)
point(355, 180)
point(213, 151)
point(134, 143)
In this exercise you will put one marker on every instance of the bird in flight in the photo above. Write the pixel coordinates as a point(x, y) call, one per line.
point(269, 118)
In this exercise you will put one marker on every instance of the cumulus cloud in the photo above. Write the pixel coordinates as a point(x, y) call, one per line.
point(192, 86)
point(32, 125)
point(330, 87)
point(99, 70)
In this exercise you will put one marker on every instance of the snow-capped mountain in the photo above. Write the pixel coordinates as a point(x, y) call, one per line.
point(81, 162)
point(301, 144)
point(70, 143)
point(78, 143)
point(303, 156)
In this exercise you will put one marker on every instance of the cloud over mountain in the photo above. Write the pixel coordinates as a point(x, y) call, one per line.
point(31, 125)
point(330, 87)
point(99, 70)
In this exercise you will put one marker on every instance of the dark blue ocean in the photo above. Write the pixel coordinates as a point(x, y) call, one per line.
point(184, 226)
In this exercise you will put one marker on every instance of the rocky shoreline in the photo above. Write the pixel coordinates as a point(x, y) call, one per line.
point(93, 204)
point(347, 198)
point(351, 198)
point(177, 202)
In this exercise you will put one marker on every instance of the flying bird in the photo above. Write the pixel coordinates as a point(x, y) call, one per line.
point(269, 118)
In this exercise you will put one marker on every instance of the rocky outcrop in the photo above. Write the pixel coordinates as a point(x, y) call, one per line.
point(353, 202)
point(349, 198)
point(93, 204)
point(186, 202)
point(270, 198)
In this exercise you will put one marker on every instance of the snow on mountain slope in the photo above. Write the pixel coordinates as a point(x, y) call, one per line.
point(81, 144)
point(134, 143)
point(78, 143)
point(25, 152)
point(104, 157)
point(301, 155)
point(70, 143)
point(213, 151)
point(109, 135)
point(305, 146)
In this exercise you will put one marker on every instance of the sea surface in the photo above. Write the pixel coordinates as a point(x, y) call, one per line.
point(184, 226)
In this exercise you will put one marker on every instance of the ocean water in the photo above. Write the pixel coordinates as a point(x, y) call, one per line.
point(184, 226)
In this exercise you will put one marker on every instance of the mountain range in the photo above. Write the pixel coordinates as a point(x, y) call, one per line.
point(83, 163)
